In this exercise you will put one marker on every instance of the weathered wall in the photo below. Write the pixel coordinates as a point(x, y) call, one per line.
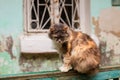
point(11, 26)
point(105, 26)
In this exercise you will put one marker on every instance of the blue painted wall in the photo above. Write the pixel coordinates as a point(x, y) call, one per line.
point(98, 5)
point(11, 27)
point(11, 16)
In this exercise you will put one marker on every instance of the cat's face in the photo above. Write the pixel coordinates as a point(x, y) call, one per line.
point(59, 33)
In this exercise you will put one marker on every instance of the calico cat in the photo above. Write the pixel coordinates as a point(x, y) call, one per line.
point(77, 50)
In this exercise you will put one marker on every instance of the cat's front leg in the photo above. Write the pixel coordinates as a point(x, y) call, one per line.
point(66, 63)
point(65, 68)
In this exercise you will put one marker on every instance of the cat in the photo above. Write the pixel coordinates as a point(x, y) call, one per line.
point(77, 50)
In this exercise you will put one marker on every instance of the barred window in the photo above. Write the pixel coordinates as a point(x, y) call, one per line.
point(42, 13)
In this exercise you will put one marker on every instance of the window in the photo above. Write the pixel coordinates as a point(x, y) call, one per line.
point(115, 2)
point(40, 14)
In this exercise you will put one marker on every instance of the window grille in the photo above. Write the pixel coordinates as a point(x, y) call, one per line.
point(43, 13)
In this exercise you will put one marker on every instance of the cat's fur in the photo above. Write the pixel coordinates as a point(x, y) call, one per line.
point(77, 49)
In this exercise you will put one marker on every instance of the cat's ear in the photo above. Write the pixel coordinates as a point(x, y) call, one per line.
point(66, 27)
point(52, 28)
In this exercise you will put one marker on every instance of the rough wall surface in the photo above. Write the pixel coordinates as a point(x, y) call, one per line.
point(104, 21)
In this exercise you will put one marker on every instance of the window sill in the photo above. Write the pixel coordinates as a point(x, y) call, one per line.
point(37, 43)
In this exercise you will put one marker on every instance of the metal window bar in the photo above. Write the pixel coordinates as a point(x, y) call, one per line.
point(45, 12)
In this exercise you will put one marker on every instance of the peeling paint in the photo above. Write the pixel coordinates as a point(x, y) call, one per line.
point(95, 22)
point(9, 46)
point(39, 62)
point(12, 61)
point(109, 20)
point(108, 36)
point(1, 48)
point(115, 33)
point(2, 43)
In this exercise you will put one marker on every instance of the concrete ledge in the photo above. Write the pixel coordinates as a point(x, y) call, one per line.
point(37, 43)
point(55, 75)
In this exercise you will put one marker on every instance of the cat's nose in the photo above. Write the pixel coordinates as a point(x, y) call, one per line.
point(59, 41)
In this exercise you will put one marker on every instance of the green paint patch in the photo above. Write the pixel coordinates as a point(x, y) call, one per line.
point(56, 75)
point(5, 55)
point(8, 65)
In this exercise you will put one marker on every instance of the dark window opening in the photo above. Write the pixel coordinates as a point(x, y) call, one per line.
point(41, 13)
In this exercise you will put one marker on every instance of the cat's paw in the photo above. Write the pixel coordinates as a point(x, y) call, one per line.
point(65, 69)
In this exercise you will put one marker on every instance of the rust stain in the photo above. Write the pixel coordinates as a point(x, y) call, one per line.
point(1, 46)
point(9, 46)
point(95, 22)
point(116, 33)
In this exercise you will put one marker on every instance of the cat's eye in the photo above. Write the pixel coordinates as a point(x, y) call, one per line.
point(54, 35)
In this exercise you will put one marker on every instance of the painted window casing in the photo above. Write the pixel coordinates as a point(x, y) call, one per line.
point(74, 13)
point(40, 14)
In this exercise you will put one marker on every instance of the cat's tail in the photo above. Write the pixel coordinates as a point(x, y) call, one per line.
point(93, 71)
